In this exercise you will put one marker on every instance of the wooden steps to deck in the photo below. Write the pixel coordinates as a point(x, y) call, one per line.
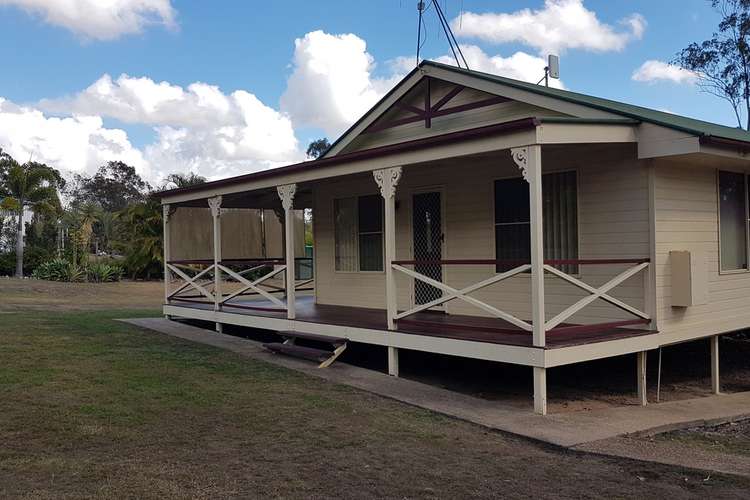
point(322, 356)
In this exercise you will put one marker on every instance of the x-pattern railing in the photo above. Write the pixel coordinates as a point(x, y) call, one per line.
point(597, 293)
point(259, 286)
point(463, 294)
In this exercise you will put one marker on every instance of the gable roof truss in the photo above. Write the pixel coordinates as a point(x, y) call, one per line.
point(430, 110)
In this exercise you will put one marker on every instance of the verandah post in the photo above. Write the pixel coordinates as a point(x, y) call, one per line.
point(215, 206)
point(286, 193)
point(529, 160)
point(387, 180)
point(167, 251)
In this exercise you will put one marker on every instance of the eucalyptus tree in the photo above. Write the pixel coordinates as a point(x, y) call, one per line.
point(722, 63)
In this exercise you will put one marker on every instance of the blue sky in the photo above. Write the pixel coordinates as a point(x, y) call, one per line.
point(52, 54)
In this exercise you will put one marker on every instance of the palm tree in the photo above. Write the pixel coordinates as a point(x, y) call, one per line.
point(31, 186)
point(144, 256)
point(183, 180)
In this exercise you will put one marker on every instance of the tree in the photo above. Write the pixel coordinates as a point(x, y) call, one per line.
point(317, 147)
point(183, 180)
point(114, 186)
point(144, 256)
point(31, 186)
point(722, 63)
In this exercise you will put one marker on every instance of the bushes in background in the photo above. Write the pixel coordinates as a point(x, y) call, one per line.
point(63, 270)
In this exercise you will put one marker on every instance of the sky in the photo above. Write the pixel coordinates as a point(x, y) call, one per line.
point(229, 87)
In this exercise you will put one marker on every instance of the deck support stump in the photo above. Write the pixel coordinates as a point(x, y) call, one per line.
point(393, 361)
point(715, 380)
point(215, 205)
point(387, 180)
point(540, 390)
point(641, 373)
point(286, 193)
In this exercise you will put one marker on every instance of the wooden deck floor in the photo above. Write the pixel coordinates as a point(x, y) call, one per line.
point(435, 324)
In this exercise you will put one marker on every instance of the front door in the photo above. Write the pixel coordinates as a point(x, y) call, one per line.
point(427, 237)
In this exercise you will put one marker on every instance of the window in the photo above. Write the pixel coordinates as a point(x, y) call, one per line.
point(733, 220)
point(358, 233)
point(560, 213)
point(345, 233)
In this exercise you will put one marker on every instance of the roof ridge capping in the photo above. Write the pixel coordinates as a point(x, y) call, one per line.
point(639, 113)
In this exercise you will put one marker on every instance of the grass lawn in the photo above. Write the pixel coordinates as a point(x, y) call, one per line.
point(90, 407)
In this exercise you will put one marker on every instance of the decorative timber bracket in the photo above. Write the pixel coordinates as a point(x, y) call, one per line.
point(215, 205)
point(387, 180)
point(521, 158)
point(286, 193)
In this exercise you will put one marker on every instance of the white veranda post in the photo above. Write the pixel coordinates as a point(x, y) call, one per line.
point(166, 243)
point(387, 180)
point(215, 205)
point(286, 193)
point(529, 160)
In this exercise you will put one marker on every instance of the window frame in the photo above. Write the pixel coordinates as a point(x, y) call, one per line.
point(746, 177)
point(575, 170)
point(356, 197)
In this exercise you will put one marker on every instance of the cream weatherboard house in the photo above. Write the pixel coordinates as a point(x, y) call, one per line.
point(472, 215)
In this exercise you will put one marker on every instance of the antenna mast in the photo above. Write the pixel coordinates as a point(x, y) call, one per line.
point(452, 42)
point(420, 8)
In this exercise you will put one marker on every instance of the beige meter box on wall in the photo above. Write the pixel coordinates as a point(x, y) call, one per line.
point(689, 278)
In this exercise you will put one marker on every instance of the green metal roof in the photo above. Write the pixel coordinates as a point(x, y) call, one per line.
point(669, 120)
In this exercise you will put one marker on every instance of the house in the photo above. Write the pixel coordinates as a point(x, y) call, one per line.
point(478, 216)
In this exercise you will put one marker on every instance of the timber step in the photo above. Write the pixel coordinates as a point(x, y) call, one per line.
point(291, 334)
point(322, 356)
point(296, 351)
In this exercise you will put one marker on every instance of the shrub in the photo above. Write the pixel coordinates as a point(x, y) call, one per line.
point(59, 270)
point(102, 273)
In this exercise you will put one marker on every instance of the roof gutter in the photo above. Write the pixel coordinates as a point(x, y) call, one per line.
point(401, 147)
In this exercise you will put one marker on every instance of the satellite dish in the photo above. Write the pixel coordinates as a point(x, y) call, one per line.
point(553, 66)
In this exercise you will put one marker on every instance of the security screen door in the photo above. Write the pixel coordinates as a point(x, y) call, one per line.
point(427, 229)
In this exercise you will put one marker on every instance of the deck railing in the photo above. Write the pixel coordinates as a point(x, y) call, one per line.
point(203, 281)
point(554, 324)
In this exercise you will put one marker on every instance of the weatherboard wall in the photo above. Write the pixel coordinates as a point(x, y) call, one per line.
point(613, 223)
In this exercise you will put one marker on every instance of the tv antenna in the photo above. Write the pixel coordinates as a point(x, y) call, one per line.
point(552, 70)
point(422, 8)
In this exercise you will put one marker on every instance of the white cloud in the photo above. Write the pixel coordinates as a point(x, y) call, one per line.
point(652, 71)
point(74, 144)
point(332, 84)
point(520, 65)
point(98, 19)
point(559, 25)
point(202, 129)
point(199, 128)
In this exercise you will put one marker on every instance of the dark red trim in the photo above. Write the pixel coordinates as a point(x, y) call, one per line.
point(449, 326)
point(179, 299)
point(253, 308)
point(471, 105)
point(410, 108)
point(551, 262)
point(428, 103)
point(436, 113)
point(413, 145)
point(447, 97)
point(597, 327)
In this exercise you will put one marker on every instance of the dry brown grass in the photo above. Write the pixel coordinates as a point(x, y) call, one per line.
point(93, 408)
